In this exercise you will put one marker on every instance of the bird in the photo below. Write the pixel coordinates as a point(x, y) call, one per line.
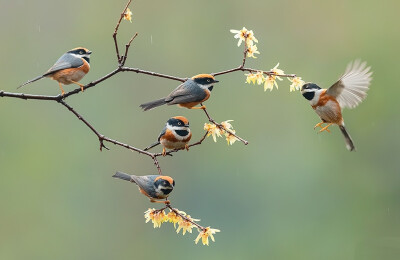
point(190, 93)
point(155, 187)
point(175, 135)
point(70, 68)
point(348, 92)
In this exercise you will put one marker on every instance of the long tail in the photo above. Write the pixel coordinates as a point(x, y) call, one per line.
point(153, 104)
point(349, 142)
point(151, 146)
point(123, 176)
point(32, 80)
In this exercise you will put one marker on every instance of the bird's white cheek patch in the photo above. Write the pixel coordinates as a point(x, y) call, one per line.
point(315, 99)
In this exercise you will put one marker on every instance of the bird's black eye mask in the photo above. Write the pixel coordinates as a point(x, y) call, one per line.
point(309, 95)
point(175, 122)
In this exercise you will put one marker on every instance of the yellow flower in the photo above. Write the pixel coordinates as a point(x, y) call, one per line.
point(277, 72)
point(241, 35)
point(157, 217)
point(251, 51)
point(186, 225)
point(245, 35)
point(269, 83)
point(204, 234)
point(174, 218)
point(260, 77)
point(212, 130)
point(226, 124)
point(251, 78)
point(231, 139)
point(128, 15)
point(250, 38)
point(297, 83)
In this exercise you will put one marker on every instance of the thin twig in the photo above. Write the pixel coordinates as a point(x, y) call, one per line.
point(151, 73)
point(246, 49)
point(240, 68)
point(126, 49)
point(184, 217)
point(116, 31)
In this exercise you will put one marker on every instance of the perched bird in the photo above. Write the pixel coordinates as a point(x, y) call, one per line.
point(175, 135)
point(189, 94)
point(70, 68)
point(348, 91)
point(155, 187)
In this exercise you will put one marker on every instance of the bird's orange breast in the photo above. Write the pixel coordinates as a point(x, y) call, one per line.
point(323, 99)
point(67, 76)
point(169, 136)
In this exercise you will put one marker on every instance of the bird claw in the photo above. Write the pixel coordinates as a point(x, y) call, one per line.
point(157, 201)
point(325, 128)
point(202, 107)
point(319, 125)
point(187, 147)
point(164, 152)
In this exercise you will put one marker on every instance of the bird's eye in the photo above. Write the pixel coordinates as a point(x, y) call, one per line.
point(81, 52)
point(179, 123)
point(208, 80)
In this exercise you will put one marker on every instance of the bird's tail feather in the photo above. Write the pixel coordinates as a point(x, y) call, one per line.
point(30, 81)
point(153, 104)
point(151, 146)
point(349, 142)
point(122, 176)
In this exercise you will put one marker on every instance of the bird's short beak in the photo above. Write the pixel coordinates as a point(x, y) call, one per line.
point(216, 81)
point(89, 52)
point(186, 125)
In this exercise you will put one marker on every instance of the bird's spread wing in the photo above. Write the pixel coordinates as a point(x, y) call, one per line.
point(185, 93)
point(352, 87)
point(65, 62)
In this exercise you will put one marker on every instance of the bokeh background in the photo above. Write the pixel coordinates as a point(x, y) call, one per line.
point(290, 194)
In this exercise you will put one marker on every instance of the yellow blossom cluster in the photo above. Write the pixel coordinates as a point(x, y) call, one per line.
point(297, 83)
point(248, 37)
point(185, 223)
point(128, 15)
point(268, 80)
point(226, 130)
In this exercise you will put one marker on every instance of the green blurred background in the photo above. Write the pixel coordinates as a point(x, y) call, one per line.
point(290, 194)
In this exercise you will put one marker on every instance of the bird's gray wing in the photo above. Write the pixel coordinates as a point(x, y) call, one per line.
point(352, 87)
point(145, 183)
point(185, 93)
point(162, 133)
point(65, 62)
